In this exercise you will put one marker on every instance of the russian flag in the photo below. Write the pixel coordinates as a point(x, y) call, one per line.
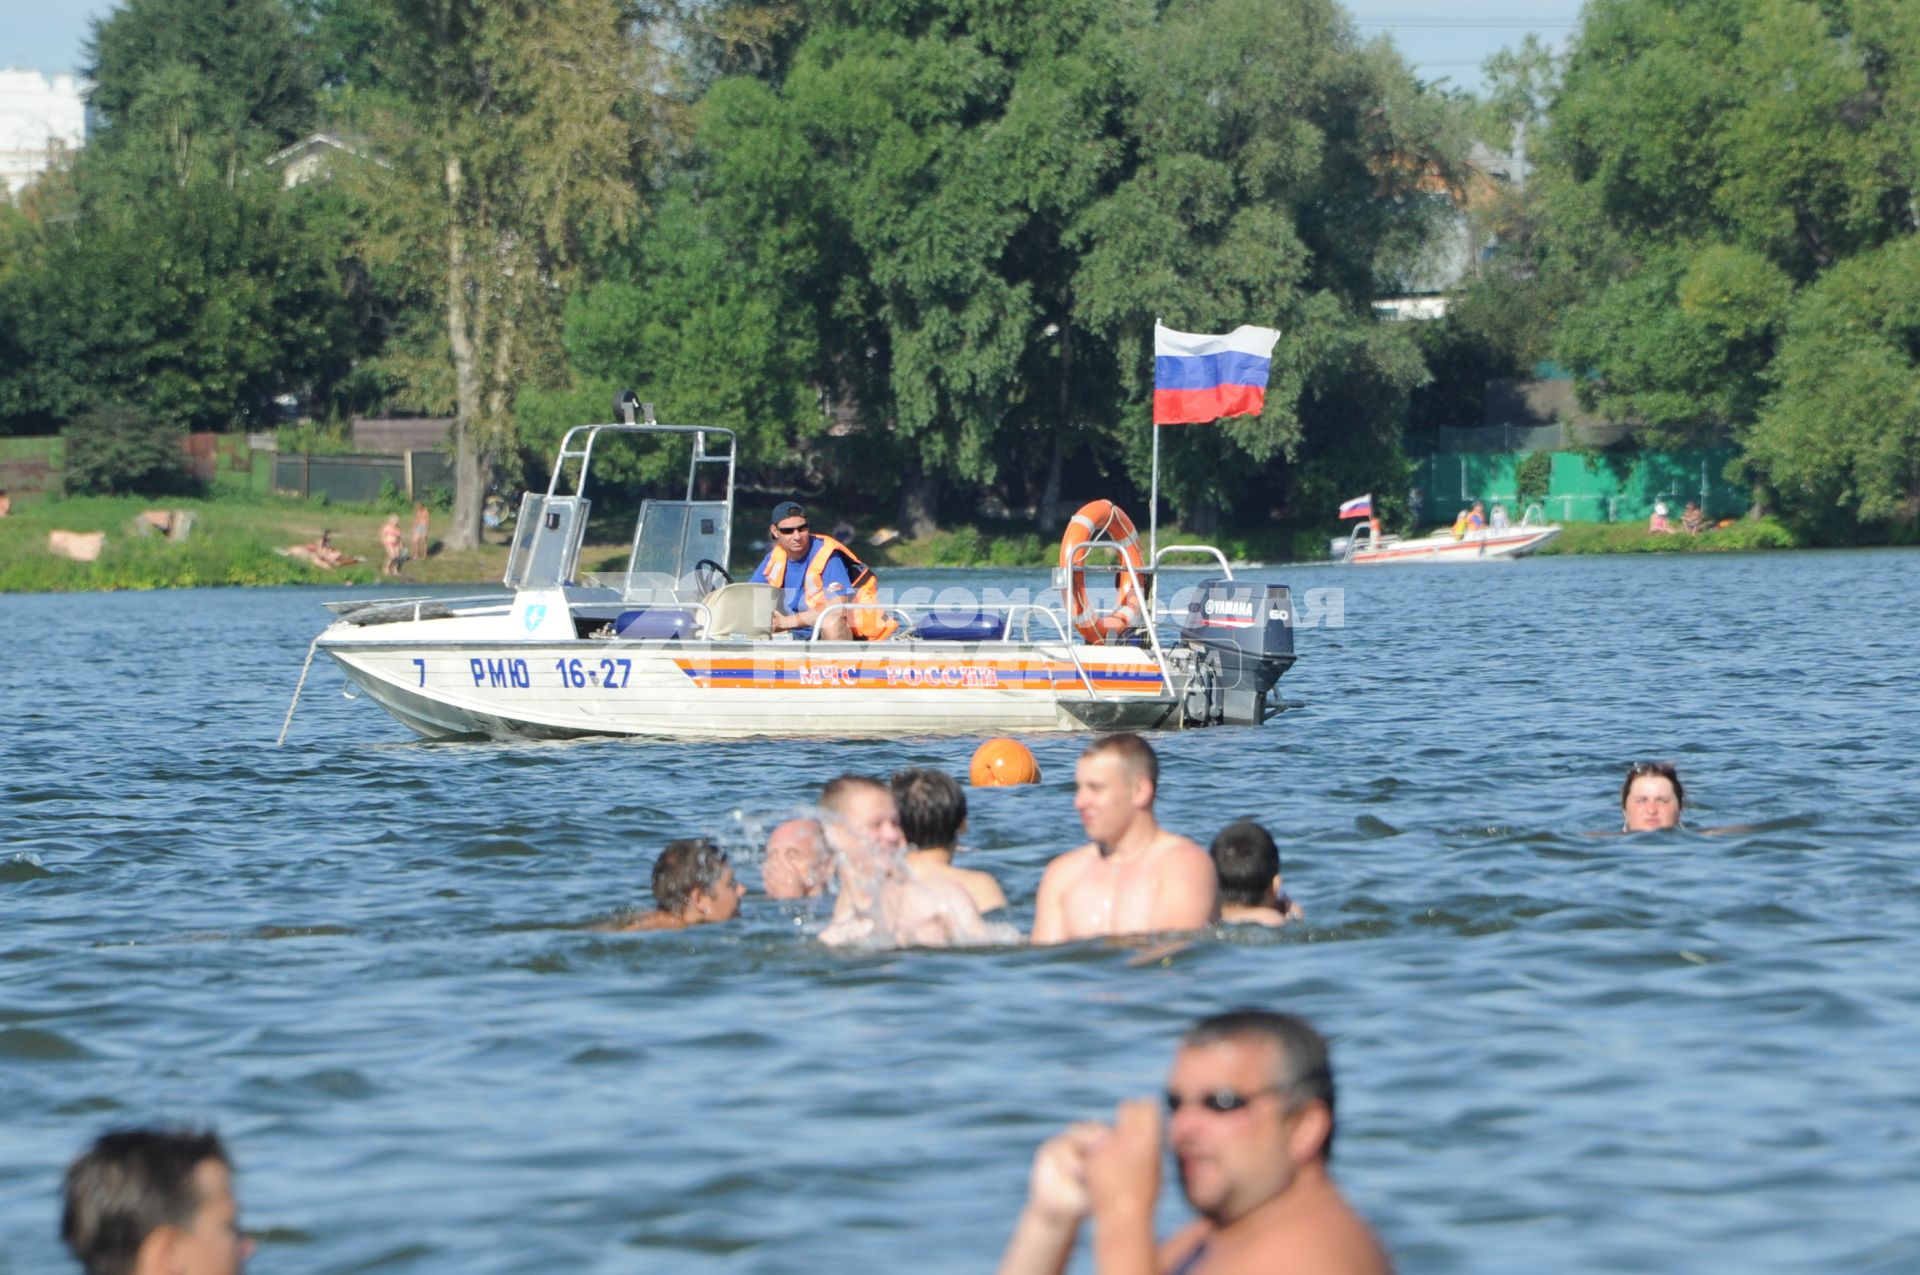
point(1358, 507)
point(1203, 378)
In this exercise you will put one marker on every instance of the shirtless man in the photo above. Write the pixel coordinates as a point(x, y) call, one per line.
point(933, 814)
point(1248, 864)
point(881, 903)
point(1251, 1126)
point(798, 864)
point(692, 885)
point(154, 1202)
point(1133, 877)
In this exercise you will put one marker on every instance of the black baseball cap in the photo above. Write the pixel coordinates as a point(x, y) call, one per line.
point(787, 509)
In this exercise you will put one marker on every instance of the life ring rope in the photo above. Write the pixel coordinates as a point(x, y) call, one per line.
point(1095, 520)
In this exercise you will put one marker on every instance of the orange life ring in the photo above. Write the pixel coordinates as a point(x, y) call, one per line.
point(1102, 518)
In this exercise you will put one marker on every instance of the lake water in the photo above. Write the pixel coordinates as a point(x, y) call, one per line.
point(360, 955)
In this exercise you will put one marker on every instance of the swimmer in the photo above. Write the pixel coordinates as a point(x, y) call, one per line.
point(154, 1202)
point(797, 865)
point(1651, 798)
point(881, 903)
point(1250, 1123)
point(1133, 877)
point(1248, 864)
point(933, 814)
point(692, 885)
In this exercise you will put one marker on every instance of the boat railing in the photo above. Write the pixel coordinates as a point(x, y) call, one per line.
point(1211, 551)
point(399, 610)
point(1077, 561)
point(1353, 540)
point(1536, 516)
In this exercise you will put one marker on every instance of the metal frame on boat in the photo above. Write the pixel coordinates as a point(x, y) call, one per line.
point(673, 647)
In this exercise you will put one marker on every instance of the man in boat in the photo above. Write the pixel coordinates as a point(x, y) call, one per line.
point(1472, 518)
point(693, 884)
point(817, 572)
point(798, 864)
point(1250, 1120)
point(154, 1202)
point(1133, 877)
point(933, 814)
point(881, 903)
point(1247, 862)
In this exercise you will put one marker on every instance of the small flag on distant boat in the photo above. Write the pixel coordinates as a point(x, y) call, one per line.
point(1358, 507)
point(1197, 377)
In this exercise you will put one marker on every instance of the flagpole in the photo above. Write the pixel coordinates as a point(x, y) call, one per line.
point(1153, 527)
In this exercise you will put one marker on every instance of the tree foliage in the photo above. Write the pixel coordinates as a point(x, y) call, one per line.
point(1719, 171)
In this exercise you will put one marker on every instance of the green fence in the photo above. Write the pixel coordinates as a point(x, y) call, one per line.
point(1584, 490)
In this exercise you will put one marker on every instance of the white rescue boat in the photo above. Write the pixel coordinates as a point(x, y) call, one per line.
point(674, 647)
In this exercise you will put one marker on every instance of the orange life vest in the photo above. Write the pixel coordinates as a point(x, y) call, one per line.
point(868, 623)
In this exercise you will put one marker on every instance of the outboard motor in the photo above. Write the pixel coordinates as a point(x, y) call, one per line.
point(1243, 633)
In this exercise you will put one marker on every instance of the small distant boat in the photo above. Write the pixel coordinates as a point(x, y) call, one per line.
point(1488, 545)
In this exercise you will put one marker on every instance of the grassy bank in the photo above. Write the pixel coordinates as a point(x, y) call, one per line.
point(1633, 537)
point(233, 542)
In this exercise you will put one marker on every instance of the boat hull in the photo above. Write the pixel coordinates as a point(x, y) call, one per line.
point(443, 689)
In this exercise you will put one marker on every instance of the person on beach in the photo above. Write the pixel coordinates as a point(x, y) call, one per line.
point(1132, 876)
point(390, 541)
point(422, 519)
point(1651, 798)
point(797, 864)
point(880, 902)
point(693, 884)
point(1657, 524)
point(1247, 862)
point(1692, 521)
point(154, 1202)
point(933, 814)
point(1250, 1120)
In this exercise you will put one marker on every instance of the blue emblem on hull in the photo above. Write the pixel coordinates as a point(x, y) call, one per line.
point(536, 613)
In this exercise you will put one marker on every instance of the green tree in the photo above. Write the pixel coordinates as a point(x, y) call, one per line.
point(1710, 162)
point(1278, 185)
point(511, 141)
point(1840, 439)
point(231, 79)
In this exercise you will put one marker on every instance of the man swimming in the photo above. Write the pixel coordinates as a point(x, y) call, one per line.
point(797, 864)
point(933, 814)
point(1133, 877)
point(693, 884)
point(1247, 863)
point(154, 1202)
point(1250, 1120)
point(881, 903)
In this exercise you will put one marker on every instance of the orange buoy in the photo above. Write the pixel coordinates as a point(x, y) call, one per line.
point(1096, 519)
point(1001, 763)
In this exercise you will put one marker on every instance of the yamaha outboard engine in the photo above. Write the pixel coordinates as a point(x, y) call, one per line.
point(1243, 633)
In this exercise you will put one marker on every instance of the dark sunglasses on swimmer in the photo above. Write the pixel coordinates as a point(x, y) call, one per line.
point(794, 530)
point(1220, 1101)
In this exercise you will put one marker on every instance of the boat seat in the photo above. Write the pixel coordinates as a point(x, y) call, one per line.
point(741, 610)
point(960, 626)
point(656, 622)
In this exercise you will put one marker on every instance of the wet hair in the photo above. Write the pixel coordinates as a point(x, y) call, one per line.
point(1135, 752)
point(835, 794)
point(687, 865)
point(129, 1184)
point(1662, 768)
point(1246, 861)
point(1306, 1073)
point(932, 807)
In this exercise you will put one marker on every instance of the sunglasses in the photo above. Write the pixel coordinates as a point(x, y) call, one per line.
point(1220, 1101)
point(794, 530)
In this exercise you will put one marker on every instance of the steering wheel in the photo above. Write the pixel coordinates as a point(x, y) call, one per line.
point(706, 571)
